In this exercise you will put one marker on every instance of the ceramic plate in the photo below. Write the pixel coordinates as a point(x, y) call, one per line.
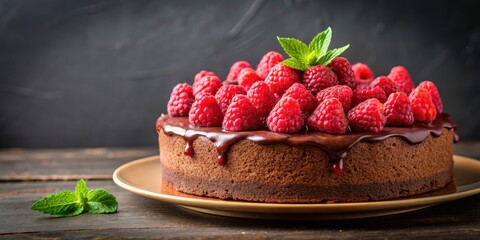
point(144, 177)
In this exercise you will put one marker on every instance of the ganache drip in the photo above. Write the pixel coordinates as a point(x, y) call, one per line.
point(336, 146)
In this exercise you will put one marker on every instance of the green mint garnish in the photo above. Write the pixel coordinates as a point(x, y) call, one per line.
point(68, 203)
point(302, 56)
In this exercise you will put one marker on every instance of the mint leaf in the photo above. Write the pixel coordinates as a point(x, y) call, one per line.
point(61, 204)
point(101, 201)
point(295, 63)
point(67, 203)
point(332, 54)
point(294, 47)
point(321, 42)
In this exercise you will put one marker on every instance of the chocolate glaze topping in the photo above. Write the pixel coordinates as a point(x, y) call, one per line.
point(336, 146)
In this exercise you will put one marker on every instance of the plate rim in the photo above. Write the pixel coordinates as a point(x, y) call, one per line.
point(293, 208)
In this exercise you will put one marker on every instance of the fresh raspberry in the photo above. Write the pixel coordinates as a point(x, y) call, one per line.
point(225, 95)
point(247, 78)
point(329, 117)
point(180, 101)
point(398, 110)
point(367, 116)
point(235, 70)
point(241, 115)
point(319, 77)
point(343, 69)
point(207, 85)
point(205, 112)
point(400, 76)
point(362, 73)
point(268, 61)
point(386, 84)
point(280, 78)
point(362, 94)
point(262, 98)
point(299, 92)
point(342, 92)
point(424, 109)
point(432, 89)
point(202, 74)
point(286, 116)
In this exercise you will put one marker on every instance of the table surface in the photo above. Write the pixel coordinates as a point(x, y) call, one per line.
point(27, 175)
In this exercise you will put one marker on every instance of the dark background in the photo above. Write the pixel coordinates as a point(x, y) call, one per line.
point(99, 73)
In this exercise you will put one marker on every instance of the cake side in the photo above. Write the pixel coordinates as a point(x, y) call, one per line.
point(281, 173)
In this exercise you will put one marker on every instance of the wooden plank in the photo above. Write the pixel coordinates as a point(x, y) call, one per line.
point(142, 217)
point(65, 164)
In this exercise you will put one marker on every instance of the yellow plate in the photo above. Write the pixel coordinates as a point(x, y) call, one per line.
point(144, 177)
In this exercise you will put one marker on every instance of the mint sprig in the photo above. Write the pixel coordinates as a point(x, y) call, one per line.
point(301, 56)
point(68, 203)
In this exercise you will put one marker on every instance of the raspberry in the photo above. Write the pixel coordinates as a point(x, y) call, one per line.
point(400, 76)
point(205, 112)
point(247, 78)
point(207, 85)
point(280, 78)
point(299, 92)
point(362, 94)
point(241, 115)
point(422, 105)
point(202, 74)
point(235, 70)
point(225, 95)
point(386, 84)
point(319, 77)
point(329, 117)
point(362, 73)
point(286, 116)
point(367, 116)
point(432, 89)
point(341, 92)
point(262, 98)
point(180, 101)
point(343, 69)
point(398, 109)
point(268, 61)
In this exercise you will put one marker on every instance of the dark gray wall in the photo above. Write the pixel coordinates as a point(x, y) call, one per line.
point(98, 73)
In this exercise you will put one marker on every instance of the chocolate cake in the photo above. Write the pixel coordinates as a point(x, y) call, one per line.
point(314, 129)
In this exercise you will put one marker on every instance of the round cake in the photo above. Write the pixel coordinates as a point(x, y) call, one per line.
point(266, 166)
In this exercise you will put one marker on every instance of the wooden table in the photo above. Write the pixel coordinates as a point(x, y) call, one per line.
point(28, 175)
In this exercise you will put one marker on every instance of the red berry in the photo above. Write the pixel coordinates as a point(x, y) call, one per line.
point(262, 98)
point(341, 92)
point(280, 78)
point(367, 116)
point(299, 92)
point(235, 70)
point(422, 105)
point(398, 110)
point(207, 85)
point(362, 94)
point(205, 112)
point(362, 73)
point(225, 95)
point(180, 101)
point(400, 76)
point(319, 77)
point(286, 116)
point(386, 84)
point(247, 78)
point(432, 89)
point(343, 69)
point(268, 61)
point(202, 74)
point(329, 117)
point(241, 115)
